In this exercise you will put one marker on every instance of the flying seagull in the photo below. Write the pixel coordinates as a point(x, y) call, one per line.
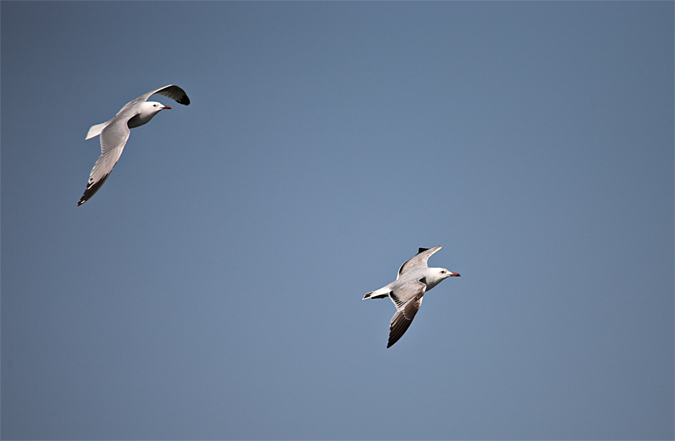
point(115, 132)
point(413, 280)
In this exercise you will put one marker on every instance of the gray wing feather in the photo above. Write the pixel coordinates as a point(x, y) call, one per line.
point(401, 321)
point(406, 290)
point(420, 259)
point(113, 139)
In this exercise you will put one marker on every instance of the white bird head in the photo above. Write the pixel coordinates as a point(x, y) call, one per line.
point(437, 275)
point(153, 106)
point(445, 273)
point(146, 111)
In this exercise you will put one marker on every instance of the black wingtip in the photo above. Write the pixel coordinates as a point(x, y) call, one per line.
point(184, 101)
point(421, 250)
point(92, 189)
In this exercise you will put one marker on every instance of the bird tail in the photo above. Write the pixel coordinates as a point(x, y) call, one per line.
point(96, 130)
point(378, 294)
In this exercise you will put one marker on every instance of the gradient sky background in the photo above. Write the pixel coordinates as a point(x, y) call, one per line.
point(212, 288)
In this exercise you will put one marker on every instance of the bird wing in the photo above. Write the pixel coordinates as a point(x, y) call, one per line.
point(170, 91)
point(113, 139)
point(420, 259)
point(405, 314)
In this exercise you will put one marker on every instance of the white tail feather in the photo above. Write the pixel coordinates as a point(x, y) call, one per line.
point(378, 294)
point(96, 130)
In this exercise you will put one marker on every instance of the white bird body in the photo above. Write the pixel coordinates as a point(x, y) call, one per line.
point(414, 278)
point(115, 133)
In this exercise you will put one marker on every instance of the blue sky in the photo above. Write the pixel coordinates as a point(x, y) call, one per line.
point(212, 288)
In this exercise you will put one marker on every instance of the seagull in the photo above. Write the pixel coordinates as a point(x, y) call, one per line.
point(115, 132)
point(413, 280)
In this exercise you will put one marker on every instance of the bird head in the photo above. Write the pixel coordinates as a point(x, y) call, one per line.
point(154, 106)
point(445, 273)
point(437, 275)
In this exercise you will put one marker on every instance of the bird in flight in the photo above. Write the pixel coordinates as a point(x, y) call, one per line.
point(115, 132)
point(413, 280)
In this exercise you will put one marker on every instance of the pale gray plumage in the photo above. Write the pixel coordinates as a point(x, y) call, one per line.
point(414, 278)
point(115, 132)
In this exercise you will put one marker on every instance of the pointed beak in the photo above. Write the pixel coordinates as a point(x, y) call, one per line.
point(166, 107)
point(454, 275)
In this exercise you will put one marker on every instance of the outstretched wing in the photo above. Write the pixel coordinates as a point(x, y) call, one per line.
point(171, 91)
point(420, 259)
point(113, 139)
point(404, 316)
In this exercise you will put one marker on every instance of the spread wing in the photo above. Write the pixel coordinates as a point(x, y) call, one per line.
point(171, 91)
point(406, 310)
point(113, 139)
point(420, 259)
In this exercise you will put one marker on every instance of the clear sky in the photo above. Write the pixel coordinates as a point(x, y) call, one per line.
point(212, 288)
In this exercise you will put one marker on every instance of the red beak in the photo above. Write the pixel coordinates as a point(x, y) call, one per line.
point(455, 275)
point(167, 107)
